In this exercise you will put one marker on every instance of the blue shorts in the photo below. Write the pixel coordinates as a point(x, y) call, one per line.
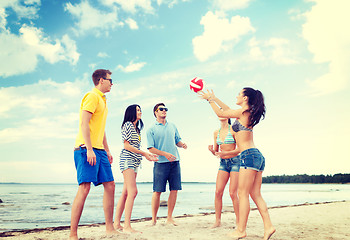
point(97, 174)
point(252, 159)
point(163, 172)
point(230, 164)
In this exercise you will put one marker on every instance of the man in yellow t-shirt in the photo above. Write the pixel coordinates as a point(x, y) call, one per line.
point(91, 153)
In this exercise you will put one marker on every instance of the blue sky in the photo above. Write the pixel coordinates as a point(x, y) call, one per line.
point(296, 52)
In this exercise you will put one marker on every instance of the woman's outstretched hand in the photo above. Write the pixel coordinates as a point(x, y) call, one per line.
point(207, 95)
point(151, 157)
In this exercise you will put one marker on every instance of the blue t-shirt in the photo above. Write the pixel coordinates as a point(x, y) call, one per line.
point(164, 138)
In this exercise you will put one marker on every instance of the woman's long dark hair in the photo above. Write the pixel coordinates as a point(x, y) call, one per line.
point(130, 116)
point(256, 105)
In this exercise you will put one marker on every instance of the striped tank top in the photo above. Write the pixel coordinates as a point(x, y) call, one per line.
point(130, 134)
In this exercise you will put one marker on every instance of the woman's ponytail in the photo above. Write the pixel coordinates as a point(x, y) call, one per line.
point(256, 104)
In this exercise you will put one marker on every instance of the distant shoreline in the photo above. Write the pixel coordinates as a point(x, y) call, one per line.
point(338, 178)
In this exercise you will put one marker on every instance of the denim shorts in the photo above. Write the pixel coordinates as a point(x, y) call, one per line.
point(128, 165)
point(163, 172)
point(230, 164)
point(252, 159)
point(97, 174)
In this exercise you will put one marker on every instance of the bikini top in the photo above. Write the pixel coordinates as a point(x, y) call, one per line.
point(237, 126)
point(228, 140)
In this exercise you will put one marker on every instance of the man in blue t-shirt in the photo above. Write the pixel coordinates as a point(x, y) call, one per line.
point(163, 140)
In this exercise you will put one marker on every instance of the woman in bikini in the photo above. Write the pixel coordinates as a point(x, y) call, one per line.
point(252, 161)
point(229, 167)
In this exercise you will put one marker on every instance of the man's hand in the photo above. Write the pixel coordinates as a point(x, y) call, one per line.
point(170, 157)
point(110, 157)
point(91, 157)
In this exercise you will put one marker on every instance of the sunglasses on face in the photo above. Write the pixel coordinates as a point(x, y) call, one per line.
point(162, 109)
point(109, 79)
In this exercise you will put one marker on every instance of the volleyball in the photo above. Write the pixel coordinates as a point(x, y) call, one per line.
point(196, 84)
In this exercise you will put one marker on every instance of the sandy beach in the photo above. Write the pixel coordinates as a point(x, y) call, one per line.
point(330, 220)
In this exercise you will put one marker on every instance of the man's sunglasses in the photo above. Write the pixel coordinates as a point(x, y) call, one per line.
point(109, 79)
point(162, 109)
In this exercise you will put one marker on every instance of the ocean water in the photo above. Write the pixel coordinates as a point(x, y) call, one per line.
point(28, 206)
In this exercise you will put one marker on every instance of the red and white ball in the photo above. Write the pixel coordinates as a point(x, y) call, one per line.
point(197, 84)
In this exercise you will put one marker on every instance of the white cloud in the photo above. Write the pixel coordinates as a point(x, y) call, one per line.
point(70, 50)
point(132, 5)
point(92, 66)
point(52, 53)
point(276, 50)
point(329, 41)
point(231, 84)
point(170, 3)
point(20, 58)
point(46, 109)
point(227, 5)
point(132, 24)
point(295, 14)
point(132, 67)
point(281, 52)
point(219, 34)
point(36, 97)
point(130, 93)
point(22, 51)
point(90, 18)
point(23, 9)
point(102, 55)
point(3, 20)
point(255, 50)
point(40, 128)
point(256, 53)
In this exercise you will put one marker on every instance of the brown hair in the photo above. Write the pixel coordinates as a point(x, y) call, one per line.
point(99, 73)
point(256, 104)
point(156, 107)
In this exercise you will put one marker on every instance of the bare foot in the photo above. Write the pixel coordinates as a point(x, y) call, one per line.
point(111, 232)
point(130, 230)
point(268, 233)
point(153, 223)
point(170, 221)
point(73, 237)
point(237, 235)
point(118, 227)
point(216, 224)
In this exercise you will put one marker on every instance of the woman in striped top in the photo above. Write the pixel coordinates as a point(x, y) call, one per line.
point(130, 159)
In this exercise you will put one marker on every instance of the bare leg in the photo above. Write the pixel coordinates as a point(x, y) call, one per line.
point(130, 181)
point(233, 193)
point(245, 183)
point(155, 206)
point(171, 205)
point(221, 181)
point(255, 193)
point(120, 209)
point(77, 209)
point(108, 205)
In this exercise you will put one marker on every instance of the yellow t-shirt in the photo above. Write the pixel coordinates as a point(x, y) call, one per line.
point(95, 103)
